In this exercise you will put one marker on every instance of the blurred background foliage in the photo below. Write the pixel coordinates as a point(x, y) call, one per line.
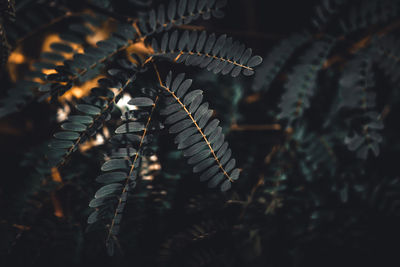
point(317, 187)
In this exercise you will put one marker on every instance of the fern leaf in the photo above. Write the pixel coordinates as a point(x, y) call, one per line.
point(388, 56)
point(325, 11)
point(356, 95)
point(85, 66)
point(276, 60)
point(301, 82)
point(316, 155)
point(24, 91)
point(198, 135)
point(219, 55)
point(31, 19)
point(121, 169)
point(78, 128)
point(180, 12)
point(369, 13)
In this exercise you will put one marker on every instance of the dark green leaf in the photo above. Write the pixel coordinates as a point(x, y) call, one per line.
point(75, 127)
point(180, 126)
point(226, 185)
point(235, 174)
point(183, 88)
point(215, 180)
point(115, 164)
point(141, 102)
point(203, 165)
point(185, 134)
point(80, 119)
point(108, 190)
point(67, 135)
point(111, 177)
point(130, 127)
point(211, 127)
point(61, 144)
point(177, 82)
point(88, 109)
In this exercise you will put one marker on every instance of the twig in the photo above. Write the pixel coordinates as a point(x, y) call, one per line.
point(256, 127)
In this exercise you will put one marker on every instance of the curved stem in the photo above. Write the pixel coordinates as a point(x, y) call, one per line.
point(126, 186)
point(196, 125)
point(77, 142)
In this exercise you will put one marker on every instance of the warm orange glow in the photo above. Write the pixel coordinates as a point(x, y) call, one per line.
point(360, 44)
point(332, 61)
point(140, 49)
point(252, 98)
point(99, 140)
point(80, 91)
point(49, 71)
point(54, 38)
point(86, 146)
point(55, 175)
point(14, 60)
point(58, 212)
point(97, 36)
point(7, 128)
point(100, 34)
point(274, 150)
point(21, 227)
point(51, 38)
point(16, 57)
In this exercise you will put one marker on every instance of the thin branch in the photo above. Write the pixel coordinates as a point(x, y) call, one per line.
point(126, 187)
point(256, 127)
point(198, 129)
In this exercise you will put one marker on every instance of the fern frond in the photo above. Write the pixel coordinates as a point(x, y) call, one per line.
point(325, 12)
point(219, 55)
point(121, 169)
point(384, 195)
point(95, 110)
point(25, 91)
point(356, 83)
point(356, 95)
point(183, 248)
point(370, 13)
point(302, 81)
point(201, 140)
point(388, 56)
point(31, 19)
point(85, 66)
point(178, 13)
point(276, 60)
point(316, 155)
point(5, 47)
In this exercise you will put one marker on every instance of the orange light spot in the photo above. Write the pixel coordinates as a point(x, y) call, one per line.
point(140, 49)
point(86, 146)
point(55, 175)
point(49, 71)
point(16, 57)
point(100, 33)
point(51, 38)
point(99, 140)
point(54, 38)
point(14, 60)
point(21, 227)
point(252, 98)
point(80, 91)
point(58, 211)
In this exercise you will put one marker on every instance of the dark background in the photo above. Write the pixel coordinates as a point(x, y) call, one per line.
point(259, 24)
